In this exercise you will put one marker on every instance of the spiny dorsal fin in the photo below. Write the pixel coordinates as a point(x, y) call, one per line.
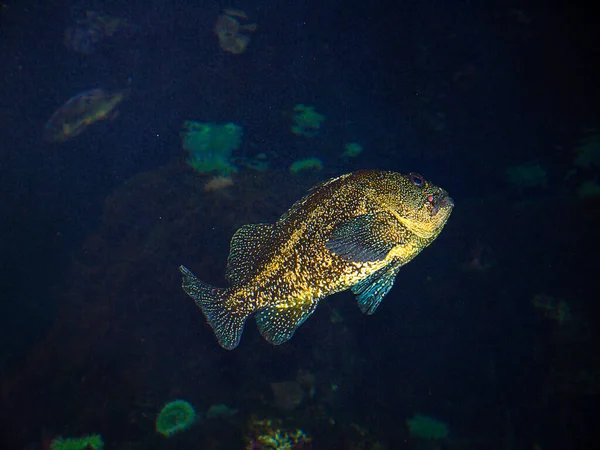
point(365, 238)
point(312, 191)
point(250, 247)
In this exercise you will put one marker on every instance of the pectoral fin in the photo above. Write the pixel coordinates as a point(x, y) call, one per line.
point(370, 291)
point(365, 238)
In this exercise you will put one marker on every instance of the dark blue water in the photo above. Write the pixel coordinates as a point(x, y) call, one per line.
point(97, 335)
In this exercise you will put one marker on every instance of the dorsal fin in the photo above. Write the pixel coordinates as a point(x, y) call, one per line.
point(317, 187)
point(250, 247)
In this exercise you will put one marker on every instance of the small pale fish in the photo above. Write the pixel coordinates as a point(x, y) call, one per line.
point(80, 111)
point(351, 232)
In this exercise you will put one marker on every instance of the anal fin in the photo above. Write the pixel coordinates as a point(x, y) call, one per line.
point(277, 323)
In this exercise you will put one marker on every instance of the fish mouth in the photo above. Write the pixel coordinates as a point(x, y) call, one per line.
point(441, 201)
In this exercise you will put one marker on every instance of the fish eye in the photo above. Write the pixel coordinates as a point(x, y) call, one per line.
point(417, 179)
point(430, 199)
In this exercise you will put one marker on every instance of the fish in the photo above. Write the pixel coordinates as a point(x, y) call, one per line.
point(80, 111)
point(352, 232)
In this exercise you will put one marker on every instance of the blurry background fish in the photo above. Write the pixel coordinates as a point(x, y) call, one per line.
point(81, 111)
point(91, 29)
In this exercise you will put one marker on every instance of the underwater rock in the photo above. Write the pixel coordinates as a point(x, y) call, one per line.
point(527, 176)
point(287, 395)
point(220, 411)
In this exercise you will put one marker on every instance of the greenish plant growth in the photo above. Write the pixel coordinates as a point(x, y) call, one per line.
point(307, 122)
point(210, 146)
point(89, 442)
point(175, 417)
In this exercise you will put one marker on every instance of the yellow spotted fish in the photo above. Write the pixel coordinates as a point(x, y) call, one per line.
point(351, 232)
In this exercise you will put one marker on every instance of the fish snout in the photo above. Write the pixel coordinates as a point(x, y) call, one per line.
point(443, 201)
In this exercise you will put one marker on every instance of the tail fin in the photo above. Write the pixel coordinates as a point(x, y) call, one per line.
point(227, 323)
